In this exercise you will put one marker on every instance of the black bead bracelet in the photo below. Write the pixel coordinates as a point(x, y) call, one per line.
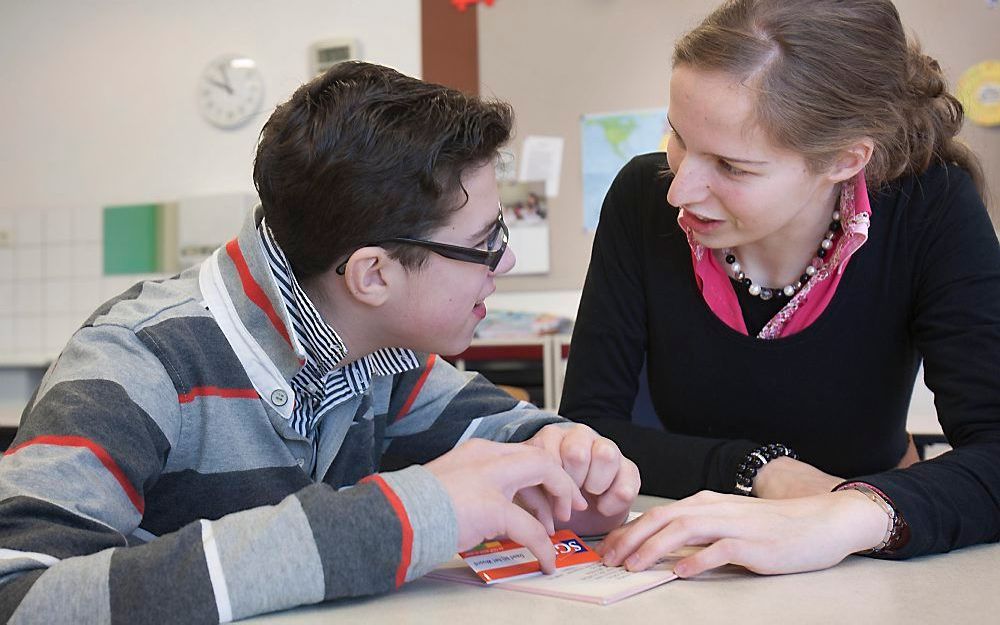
point(756, 459)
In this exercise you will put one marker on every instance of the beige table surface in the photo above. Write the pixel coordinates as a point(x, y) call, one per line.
point(959, 587)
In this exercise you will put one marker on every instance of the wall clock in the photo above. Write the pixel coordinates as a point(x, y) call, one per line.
point(230, 91)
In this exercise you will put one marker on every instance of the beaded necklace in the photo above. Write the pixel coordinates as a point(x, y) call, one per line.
point(789, 290)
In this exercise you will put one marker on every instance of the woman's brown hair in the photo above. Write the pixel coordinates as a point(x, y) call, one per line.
point(829, 72)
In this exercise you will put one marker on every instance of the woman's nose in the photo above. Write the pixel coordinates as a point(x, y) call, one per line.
point(689, 185)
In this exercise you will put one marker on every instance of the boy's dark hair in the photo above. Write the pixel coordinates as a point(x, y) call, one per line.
point(363, 153)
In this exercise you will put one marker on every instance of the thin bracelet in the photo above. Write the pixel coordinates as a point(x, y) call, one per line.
point(895, 523)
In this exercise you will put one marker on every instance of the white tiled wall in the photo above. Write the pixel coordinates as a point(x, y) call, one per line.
point(50, 279)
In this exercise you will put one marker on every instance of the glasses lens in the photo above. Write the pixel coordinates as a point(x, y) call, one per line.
point(493, 241)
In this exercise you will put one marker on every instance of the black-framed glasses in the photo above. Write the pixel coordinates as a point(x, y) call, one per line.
point(496, 245)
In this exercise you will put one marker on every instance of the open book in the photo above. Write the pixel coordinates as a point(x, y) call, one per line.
point(579, 574)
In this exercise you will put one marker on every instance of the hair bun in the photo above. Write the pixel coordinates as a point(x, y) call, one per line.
point(925, 78)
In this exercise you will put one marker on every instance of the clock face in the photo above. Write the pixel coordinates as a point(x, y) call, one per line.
point(230, 91)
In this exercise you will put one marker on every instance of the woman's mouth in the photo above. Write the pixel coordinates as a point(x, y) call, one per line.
point(697, 223)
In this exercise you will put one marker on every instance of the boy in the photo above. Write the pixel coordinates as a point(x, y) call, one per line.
point(202, 429)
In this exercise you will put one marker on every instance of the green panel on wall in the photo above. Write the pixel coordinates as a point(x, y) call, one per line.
point(131, 239)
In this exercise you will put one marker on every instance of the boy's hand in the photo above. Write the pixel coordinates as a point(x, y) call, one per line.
point(482, 478)
point(609, 481)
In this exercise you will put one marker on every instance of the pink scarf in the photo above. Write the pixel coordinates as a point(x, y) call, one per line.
point(809, 303)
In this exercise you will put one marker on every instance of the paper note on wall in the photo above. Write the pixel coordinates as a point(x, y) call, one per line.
point(541, 159)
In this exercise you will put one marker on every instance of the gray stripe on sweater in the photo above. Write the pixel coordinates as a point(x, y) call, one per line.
point(250, 441)
point(156, 300)
point(278, 538)
point(432, 517)
point(164, 581)
point(41, 527)
point(99, 498)
point(14, 589)
point(72, 591)
point(363, 514)
point(116, 354)
point(443, 383)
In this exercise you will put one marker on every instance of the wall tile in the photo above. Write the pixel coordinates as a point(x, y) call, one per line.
point(87, 224)
point(87, 296)
point(6, 298)
point(28, 262)
point(57, 297)
point(6, 264)
point(6, 337)
point(28, 299)
point(87, 259)
point(57, 226)
point(28, 336)
point(57, 260)
point(27, 228)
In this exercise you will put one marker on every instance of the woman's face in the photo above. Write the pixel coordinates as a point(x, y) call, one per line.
point(734, 187)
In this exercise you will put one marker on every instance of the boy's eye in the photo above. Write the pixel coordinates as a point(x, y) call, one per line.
point(490, 241)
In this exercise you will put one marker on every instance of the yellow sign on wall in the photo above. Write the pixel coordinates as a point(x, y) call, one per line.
point(979, 92)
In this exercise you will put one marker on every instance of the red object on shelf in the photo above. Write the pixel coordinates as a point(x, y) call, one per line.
point(462, 5)
point(501, 352)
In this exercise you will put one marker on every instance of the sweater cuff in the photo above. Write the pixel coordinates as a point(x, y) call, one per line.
point(430, 515)
point(720, 475)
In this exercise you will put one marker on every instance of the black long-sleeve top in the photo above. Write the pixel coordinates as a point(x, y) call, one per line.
point(925, 285)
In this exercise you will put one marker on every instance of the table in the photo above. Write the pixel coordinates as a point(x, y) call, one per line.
point(959, 587)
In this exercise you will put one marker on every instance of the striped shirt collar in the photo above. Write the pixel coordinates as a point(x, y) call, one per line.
point(322, 383)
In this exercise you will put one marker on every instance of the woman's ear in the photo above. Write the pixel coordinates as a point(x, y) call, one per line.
point(368, 274)
point(852, 160)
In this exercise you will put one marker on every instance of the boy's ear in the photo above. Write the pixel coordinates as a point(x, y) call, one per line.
point(368, 274)
point(852, 160)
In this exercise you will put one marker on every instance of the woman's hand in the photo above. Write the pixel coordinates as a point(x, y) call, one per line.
point(786, 478)
point(765, 536)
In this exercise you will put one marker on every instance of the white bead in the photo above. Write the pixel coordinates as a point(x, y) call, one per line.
point(826, 244)
point(810, 271)
point(836, 215)
point(754, 289)
point(736, 267)
point(789, 290)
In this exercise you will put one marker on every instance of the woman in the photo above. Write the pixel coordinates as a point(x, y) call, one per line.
point(814, 230)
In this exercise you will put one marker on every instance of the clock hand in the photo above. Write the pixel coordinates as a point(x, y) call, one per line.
point(225, 76)
point(221, 85)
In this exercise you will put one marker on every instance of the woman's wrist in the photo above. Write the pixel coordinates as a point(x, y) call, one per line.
point(866, 519)
point(895, 531)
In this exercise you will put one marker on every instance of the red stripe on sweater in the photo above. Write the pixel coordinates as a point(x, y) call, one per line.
point(416, 388)
point(406, 549)
point(101, 454)
point(215, 391)
point(253, 290)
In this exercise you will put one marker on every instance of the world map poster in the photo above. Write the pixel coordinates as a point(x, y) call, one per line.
point(608, 141)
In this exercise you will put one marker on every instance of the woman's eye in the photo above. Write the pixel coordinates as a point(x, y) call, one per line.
point(732, 171)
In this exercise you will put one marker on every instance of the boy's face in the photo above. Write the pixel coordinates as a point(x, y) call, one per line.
point(445, 296)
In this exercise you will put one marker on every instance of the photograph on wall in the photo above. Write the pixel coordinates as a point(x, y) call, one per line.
point(526, 213)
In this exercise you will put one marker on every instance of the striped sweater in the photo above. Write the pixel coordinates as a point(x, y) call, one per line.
point(155, 477)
